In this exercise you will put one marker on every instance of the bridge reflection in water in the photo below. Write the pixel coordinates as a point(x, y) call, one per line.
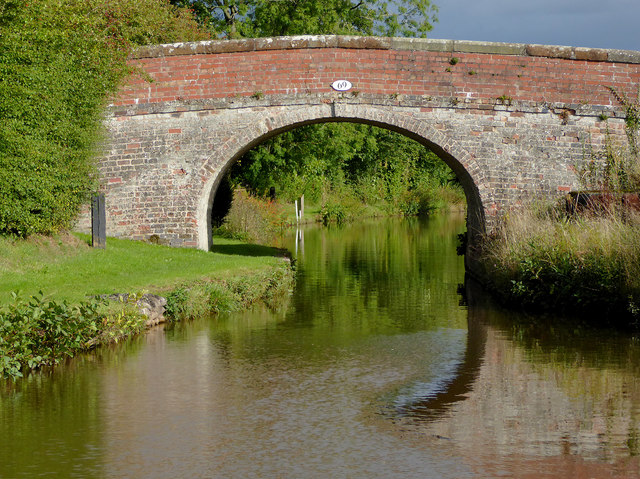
point(427, 401)
point(536, 398)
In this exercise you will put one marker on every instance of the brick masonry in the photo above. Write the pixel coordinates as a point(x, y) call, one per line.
point(511, 120)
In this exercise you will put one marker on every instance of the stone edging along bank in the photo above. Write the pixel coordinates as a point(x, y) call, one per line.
point(387, 43)
point(242, 292)
point(150, 305)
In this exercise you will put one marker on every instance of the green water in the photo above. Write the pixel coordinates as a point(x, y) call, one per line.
point(382, 364)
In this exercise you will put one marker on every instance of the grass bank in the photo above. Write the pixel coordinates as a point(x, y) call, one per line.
point(67, 268)
point(588, 265)
point(37, 330)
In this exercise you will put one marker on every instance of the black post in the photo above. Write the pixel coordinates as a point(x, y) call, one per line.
point(98, 222)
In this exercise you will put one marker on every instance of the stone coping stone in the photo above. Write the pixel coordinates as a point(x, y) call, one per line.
point(386, 43)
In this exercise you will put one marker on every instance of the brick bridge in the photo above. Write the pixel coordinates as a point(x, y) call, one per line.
point(511, 120)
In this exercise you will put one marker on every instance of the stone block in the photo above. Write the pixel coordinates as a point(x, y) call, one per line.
point(592, 54)
point(422, 44)
point(550, 51)
point(624, 56)
point(464, 46)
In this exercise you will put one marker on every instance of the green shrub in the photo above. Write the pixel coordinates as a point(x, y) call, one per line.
point(60, 61)
point(333, 213)
point(252, 219)
point(417, 202)
point(176, 307)
point(39, 332)
point(125, 320)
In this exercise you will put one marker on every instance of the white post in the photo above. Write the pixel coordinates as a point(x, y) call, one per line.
point(301, 207)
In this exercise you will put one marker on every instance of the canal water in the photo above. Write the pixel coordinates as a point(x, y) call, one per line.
point(383, 364)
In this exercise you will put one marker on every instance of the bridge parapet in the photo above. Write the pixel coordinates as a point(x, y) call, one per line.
point(387, 43)
point(223, 74)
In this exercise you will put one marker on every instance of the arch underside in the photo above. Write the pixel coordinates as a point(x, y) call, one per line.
point(461, 161)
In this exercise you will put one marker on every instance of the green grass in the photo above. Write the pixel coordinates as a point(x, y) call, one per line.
point(67, 268)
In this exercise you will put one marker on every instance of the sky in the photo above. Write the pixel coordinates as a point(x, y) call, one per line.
point(577, 23)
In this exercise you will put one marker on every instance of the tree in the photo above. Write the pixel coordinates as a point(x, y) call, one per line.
point(373, 164)
point(266, 18)
point(60, 60)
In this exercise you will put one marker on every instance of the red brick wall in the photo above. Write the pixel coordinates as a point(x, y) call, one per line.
point(484, 76)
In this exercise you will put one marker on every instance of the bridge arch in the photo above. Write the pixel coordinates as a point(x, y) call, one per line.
point(448, 149)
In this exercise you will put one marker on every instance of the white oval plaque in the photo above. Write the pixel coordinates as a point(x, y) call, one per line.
point(341, 85)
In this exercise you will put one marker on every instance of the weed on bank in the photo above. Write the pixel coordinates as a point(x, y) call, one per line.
point(540, 259)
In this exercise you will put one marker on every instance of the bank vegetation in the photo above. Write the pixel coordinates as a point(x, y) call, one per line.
point(580, 256)
point(60, 63)
point(42, 330)
point(344, 171)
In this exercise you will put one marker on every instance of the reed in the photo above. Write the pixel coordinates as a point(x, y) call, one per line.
point(588, 264)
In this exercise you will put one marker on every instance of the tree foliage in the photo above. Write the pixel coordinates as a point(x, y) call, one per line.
point(60, 60)
point(266, 18)
point(375, 165)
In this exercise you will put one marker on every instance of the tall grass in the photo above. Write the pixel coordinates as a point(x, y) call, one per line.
point(541, 258)
point(205, 297)
point(252, 219)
